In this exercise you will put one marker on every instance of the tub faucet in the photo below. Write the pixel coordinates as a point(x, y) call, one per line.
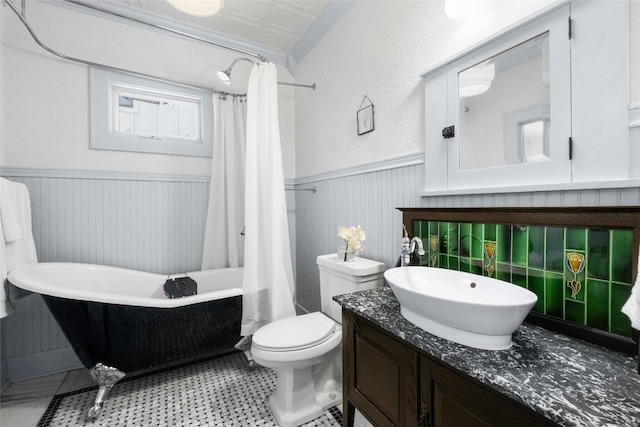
point(409, 247)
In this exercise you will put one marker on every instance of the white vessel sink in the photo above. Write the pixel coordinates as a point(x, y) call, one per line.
point(469, 309)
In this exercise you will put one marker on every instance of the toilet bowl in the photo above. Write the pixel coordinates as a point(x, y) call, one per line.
point(305, 350)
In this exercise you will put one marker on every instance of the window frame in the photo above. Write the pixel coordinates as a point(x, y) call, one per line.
point(102, 84)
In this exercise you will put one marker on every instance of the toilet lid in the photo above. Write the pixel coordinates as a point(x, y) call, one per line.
point(295, 333)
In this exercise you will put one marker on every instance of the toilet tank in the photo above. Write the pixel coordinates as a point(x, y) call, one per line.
point(338, 277)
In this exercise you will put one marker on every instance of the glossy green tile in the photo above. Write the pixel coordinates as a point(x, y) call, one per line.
point(447, 234)
point(574, 312)
point(536, 247)
point(465, 265)
point(555, 249)
point(598, 304)
point(536, 285)
point(576, 239)
point(424, 260)
point(476, 266)
point(465, 239)
point(454, 263)
point(574, 271)
point(433, 227)
point(490, 231)
point(621, 256)
point(574, 275)
point(420, 229)
point(477, 250)
point(554, 292)
point(519, 276)
point(503, 272)
point(620, 323)
point(489, 259)
point(504, 243)
point(443, 261)
point(520, 245)
point(598, 250)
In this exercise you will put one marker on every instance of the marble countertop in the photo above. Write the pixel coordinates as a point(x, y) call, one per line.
point(567, 380)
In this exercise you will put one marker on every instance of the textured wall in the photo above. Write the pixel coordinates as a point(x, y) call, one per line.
point(379, 49)
point(371, 198)
point(46, 99)
point(137, 221)
point(147, 225)
point(634, 50)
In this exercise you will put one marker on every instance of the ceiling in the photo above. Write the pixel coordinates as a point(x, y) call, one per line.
point(281, 30)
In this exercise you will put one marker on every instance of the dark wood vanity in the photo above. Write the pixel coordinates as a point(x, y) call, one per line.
point(558, 372)
point(393, 384)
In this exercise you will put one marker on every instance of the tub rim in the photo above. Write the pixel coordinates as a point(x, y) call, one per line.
point(24, 278)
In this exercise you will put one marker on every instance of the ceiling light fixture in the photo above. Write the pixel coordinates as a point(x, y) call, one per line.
point(225, 75)
point(200, 8)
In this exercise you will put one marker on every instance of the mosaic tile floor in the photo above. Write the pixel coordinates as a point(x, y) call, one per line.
point(217, 392)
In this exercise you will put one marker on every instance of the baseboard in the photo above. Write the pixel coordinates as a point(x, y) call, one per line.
point(41, 364)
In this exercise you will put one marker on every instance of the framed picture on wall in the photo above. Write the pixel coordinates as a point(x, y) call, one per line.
point(365, 119)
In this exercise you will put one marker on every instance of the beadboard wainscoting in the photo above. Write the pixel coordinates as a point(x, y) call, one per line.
point(156, 224)
point(369, 195)
point(141, 222)
point(144, 222)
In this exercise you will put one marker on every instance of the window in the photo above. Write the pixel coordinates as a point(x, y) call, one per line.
point(131, 113)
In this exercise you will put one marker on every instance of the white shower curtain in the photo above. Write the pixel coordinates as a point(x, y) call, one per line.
point(223, 243)
point(268, 287)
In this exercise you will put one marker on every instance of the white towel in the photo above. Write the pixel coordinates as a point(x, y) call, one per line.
point(17, 246)
point(632, 307)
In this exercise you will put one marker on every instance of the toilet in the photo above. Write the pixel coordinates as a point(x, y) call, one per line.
point(305, 350)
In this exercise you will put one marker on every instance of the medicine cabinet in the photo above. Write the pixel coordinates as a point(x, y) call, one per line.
point(132, 113)
point(543, 104)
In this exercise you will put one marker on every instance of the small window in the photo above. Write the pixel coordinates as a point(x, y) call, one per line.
point(132, 113)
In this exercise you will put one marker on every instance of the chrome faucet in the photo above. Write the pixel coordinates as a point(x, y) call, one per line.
point(409, 247)
point(416, 242)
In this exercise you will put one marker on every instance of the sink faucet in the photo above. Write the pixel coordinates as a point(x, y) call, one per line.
point(409, 247)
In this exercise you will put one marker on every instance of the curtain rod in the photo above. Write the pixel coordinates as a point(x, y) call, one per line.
point(164, 28)
point(181, 33)
point(22, 18)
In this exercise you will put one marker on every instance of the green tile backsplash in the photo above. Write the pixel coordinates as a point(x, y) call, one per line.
point(581, 275)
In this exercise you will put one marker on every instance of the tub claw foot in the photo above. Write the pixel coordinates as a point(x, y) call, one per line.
point(106, 377)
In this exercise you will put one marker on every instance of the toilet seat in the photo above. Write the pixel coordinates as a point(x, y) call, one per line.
point(294, 333)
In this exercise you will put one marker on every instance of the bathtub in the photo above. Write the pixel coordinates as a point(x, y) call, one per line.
point(120, 321)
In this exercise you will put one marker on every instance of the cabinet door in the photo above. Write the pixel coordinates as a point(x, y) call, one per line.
point(380, 375)
point(454, 400)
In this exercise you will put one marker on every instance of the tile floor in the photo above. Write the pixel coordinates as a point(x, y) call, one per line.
point(217, 392)
point(23, 404)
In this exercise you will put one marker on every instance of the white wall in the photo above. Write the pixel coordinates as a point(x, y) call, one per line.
point(378, 49)
point(46, 99)
point(129, 213)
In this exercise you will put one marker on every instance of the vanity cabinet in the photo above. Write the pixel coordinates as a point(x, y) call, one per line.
point(394, 384)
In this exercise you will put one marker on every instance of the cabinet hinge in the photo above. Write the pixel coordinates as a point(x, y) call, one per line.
point(570, 27)
point(570, 148)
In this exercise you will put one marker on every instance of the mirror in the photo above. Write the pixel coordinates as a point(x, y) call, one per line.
point(503, 108)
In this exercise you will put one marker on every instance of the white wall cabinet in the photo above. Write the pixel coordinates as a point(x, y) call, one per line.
point(573, 53)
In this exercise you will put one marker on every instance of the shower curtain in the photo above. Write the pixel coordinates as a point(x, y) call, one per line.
point(223, 242)
point(268, 287)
